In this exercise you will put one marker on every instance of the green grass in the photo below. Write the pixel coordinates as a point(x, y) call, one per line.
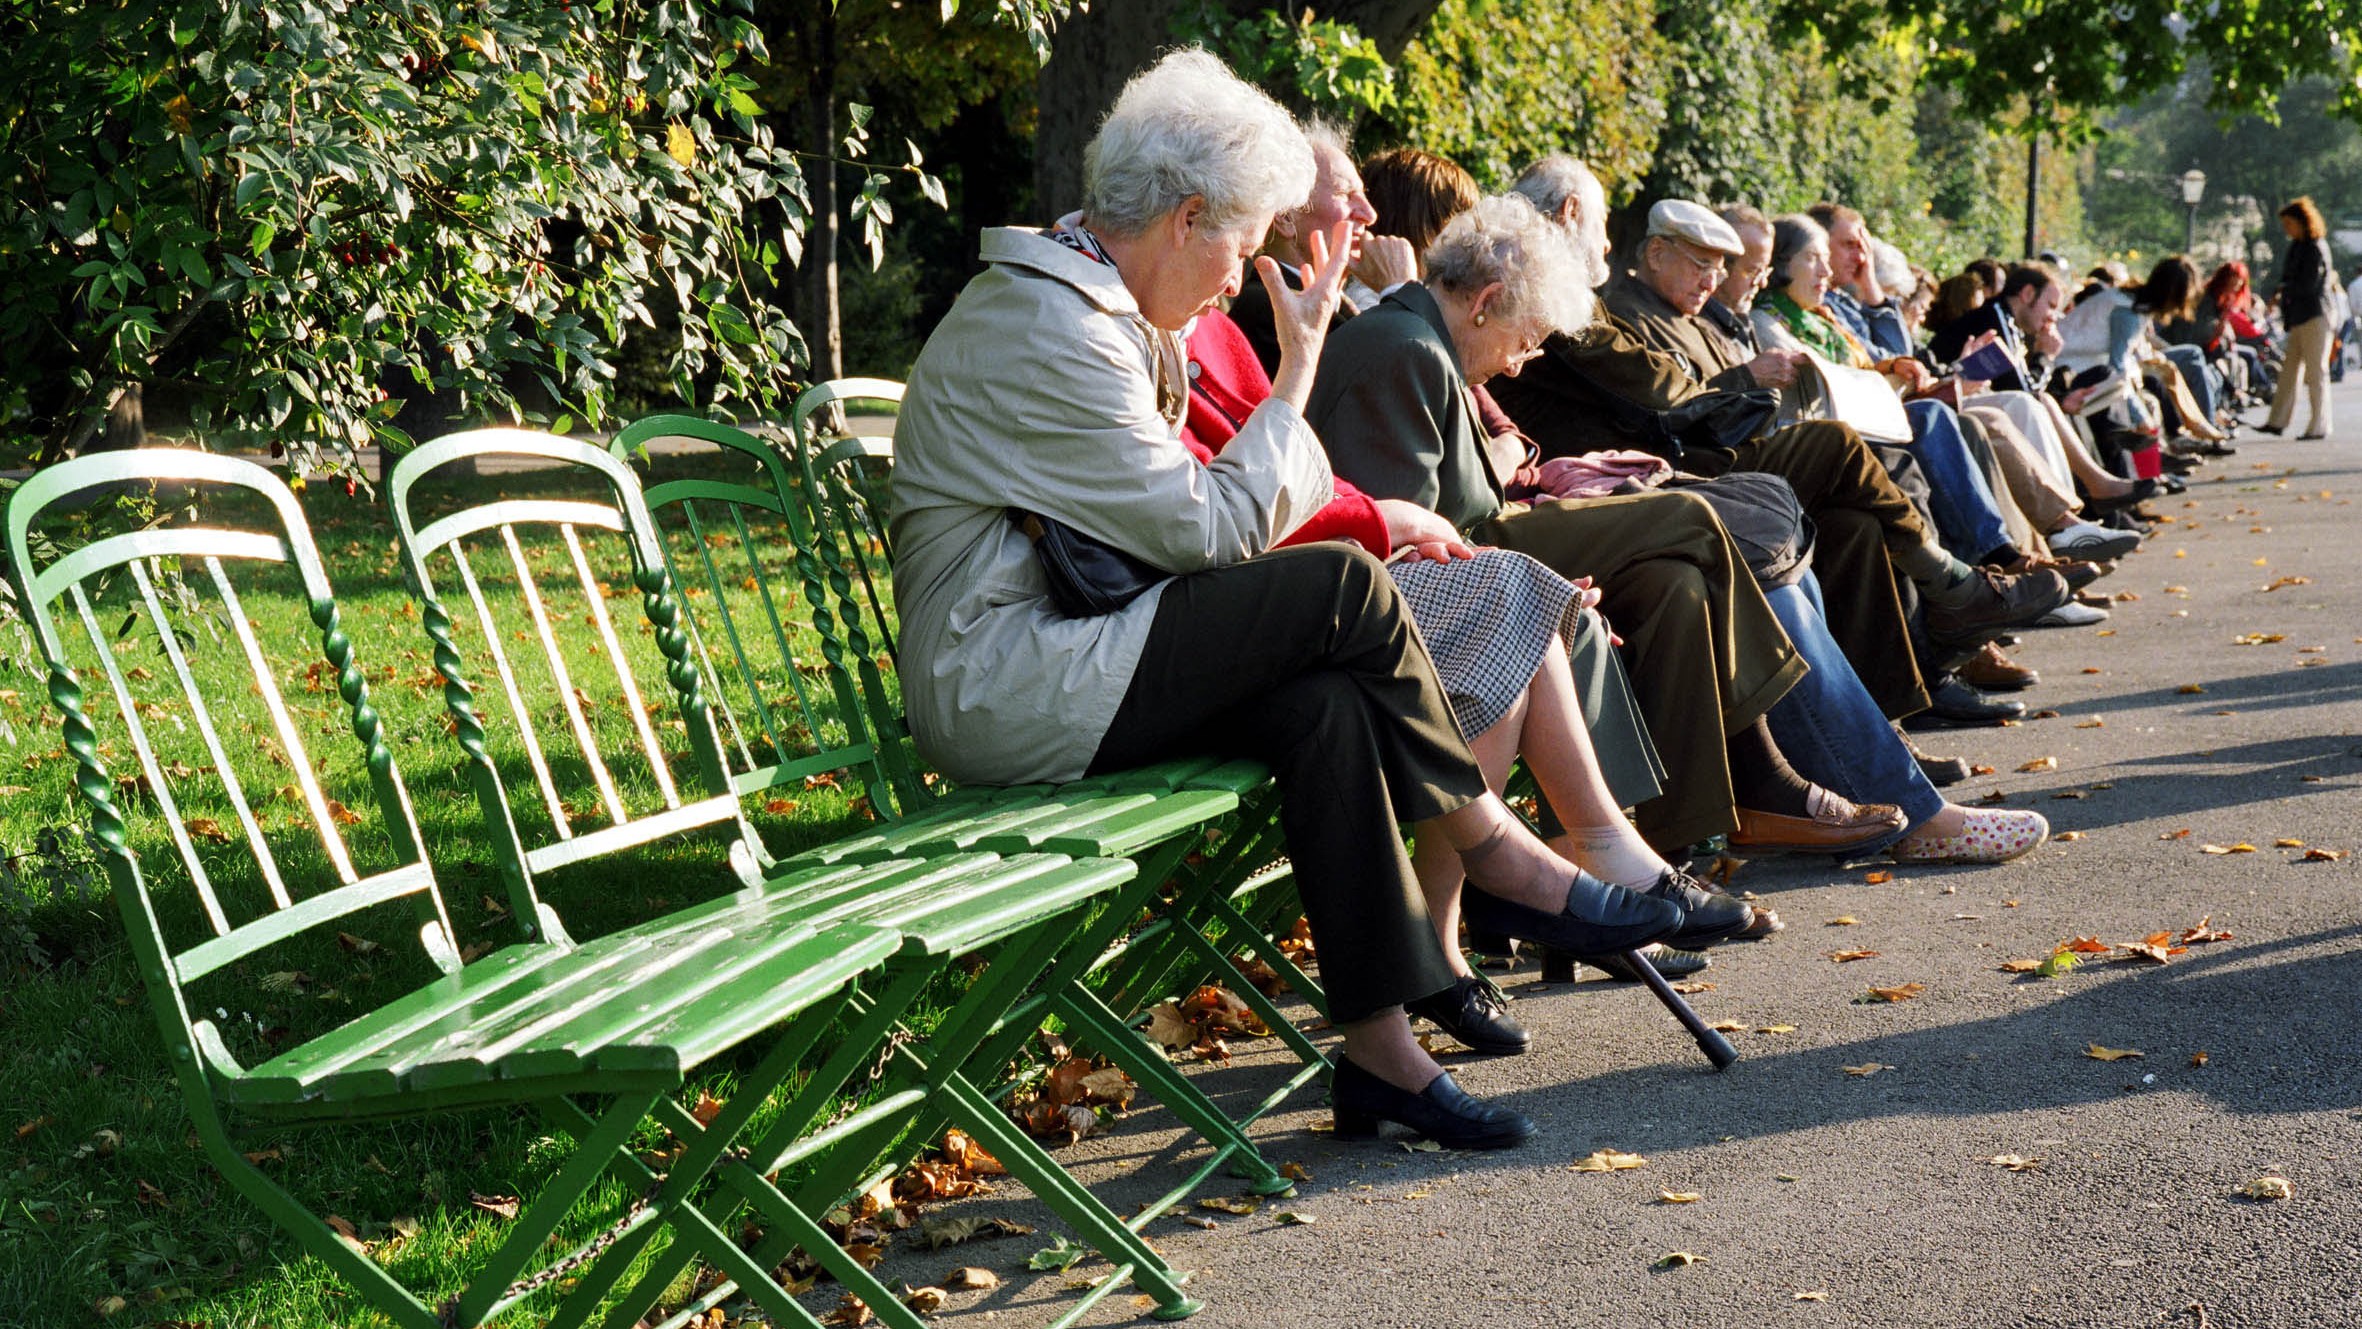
point(108, 1206)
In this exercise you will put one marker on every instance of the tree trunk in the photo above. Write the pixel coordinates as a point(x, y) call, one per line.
point(126, 423)
point(1098, 50)
point(817, 308)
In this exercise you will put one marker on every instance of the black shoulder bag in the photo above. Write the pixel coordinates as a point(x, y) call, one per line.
point(1087, 577)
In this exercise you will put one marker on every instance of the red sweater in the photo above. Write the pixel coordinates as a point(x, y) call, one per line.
point(1226, 384)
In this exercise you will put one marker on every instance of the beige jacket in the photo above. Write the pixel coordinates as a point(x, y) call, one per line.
point(1046, 391)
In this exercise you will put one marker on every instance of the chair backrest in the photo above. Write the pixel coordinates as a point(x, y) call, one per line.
point(220, 743)
point(566, 711)
point(846, 475)
point(808, 693)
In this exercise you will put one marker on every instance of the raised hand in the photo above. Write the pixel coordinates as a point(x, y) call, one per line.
point(1301, 318)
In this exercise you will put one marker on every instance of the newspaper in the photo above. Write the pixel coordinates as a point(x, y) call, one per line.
point(1861, 398)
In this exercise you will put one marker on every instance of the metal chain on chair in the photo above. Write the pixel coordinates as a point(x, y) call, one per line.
point(849, 1102)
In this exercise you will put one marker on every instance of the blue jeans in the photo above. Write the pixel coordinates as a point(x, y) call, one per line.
point(1968, 518)
point(1830, 729)
point(2204, 387)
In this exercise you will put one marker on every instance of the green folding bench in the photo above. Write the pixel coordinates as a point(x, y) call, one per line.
point(1007, 919)
point(830, 553)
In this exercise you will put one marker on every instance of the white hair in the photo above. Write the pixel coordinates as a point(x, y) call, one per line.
point(1548, 183)
point(1505, 239)
point(1892, 269)
point(1186, 127)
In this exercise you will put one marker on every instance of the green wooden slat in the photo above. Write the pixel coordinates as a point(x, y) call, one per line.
point(722, 1019)
point(299, 917)
point(1111, 830)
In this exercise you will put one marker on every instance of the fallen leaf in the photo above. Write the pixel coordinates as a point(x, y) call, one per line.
point(941, 1232)
point(1169, 1027)
point(1848, 957)
point(502, 1206)
point(851, 1313)
point(357, 945)
point(1980, 769)
point(2197, 1059)
point(2086, 946)
point(1223, 1204)
point(1420, 1146)
point(206, 828)
point(1777, 1029)
point(706, 1108)
point(2320, 855)
point(2099, 1053)
point(1607, 1160)
point(1693, 987)
point(31, 1126)
point(1678, 1197)
point(2269, 1188)
point(1866, 1069)
point(1811, 1296)
point(2189, 689)
point(1293, 1218)
point(1676, 1260)
point(2258, 638)
point(964, 1153)
point(925, 1300)
point(2068, 836)
point(2150, 951)
point(1726, 1027)
point(1903, 993)
point(971, 1278)
point(1201, 1221)
point(2014, 1162)
point(1060, 1254)
point(2240, 848)
point(2059, 962)
point(2020, 966)
point(2182, 834)
point(1843, 921)
point(1295, 1172)
point(108, 1306)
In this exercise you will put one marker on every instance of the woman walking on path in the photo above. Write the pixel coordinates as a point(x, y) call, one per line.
point(2304, 310)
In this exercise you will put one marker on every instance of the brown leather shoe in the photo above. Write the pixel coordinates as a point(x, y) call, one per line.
point(1841, 827)
point(1991, 671)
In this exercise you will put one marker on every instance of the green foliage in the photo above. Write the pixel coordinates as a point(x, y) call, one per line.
point(1494, 84)
point(282, 210)
point(1315, 63)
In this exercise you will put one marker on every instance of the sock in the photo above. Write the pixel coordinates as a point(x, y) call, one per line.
point(1614, 852)
point(1943, 579)
point(1761, 777)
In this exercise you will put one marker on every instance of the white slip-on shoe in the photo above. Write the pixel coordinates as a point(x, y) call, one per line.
point(2093, 543)
point(2073, 614)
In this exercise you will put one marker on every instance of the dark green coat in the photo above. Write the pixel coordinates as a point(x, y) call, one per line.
point(1391, 405)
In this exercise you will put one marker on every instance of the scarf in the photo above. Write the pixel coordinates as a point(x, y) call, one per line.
point(1821, 334)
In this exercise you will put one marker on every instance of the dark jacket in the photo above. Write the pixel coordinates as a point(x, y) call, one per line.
point(2304, 282)
point(1708, 354)
point(1955, 336)
point(1391, 406)
point(1591, 389)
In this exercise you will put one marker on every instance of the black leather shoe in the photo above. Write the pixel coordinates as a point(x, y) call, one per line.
point(1440, 1111)
point(1956, 703)
point(1941, 772)
point(1475, 1012)
point(1709, 915)
point(1597, 918)
point(2141, 491)
point(1668, 962)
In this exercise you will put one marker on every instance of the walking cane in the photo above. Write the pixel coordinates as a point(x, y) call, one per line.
point(1717, 1048)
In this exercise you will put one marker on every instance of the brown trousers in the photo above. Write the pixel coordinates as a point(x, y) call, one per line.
point(1707, 657)
point(1862, 519)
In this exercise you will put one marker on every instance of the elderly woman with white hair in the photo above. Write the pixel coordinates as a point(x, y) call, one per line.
point(1392, 406)
point(1047, 405)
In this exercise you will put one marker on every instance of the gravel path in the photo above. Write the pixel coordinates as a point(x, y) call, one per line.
point(1835, 1199)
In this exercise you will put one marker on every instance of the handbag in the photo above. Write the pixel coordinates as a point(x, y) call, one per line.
point(1766, 521)
point(1717, 421)
point(1087, 577)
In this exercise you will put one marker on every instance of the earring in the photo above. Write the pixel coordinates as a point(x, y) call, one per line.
point(1479, 320)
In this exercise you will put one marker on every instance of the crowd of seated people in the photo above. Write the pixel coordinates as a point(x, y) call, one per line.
point(1426, 482)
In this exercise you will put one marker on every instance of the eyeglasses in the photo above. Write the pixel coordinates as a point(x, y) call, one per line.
point(1717, 265)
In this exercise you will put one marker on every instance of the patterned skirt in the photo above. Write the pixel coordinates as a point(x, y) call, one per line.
point(1488, 621)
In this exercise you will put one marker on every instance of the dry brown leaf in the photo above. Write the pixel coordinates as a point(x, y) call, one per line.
point(503, 1206)
point(2240, 848)
point(2320, 855)
point(1607, 1160)
point(1843, 921)
point(2269, 1188)
point(2258, 638)
point(1224, 1204)
point(1202, 1222)
point(941, 1232)
point(1980, 769)
point(1295, 1172)
point(1905, 992)
point(972, 1278)
point(206, 828)
point(2068, 836)
point(706, 1108)
point(1848, 957)
point(2039, 764)
point(1676, 1260)
point(1727, 1027)
point(2091, 724)
point(2182, 834)
point(2197, 1059)
point(925, 1300)
point(1816, 1295)
point(1777, 1029)
point(1169, 1027)
point(1693, 987)
point(2086, 946)
point(2098, 1053)
point(2152, 952)
point(1678, 1197)
point(1866, 1069)
point(1878, 878)
point(2189, 689)
point(2020, 966)
point(964, 1153)
point(357, 945)
point(851, 1313)
point(2014, 1162)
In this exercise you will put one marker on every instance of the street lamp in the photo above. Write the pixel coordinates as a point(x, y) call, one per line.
point(2193, 189)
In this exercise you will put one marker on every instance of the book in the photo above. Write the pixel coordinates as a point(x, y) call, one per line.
point(1861, 398)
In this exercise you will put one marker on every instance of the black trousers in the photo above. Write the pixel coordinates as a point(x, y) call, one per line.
point(1305, 659)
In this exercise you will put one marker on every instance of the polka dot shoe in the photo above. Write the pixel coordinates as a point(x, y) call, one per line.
point(1991, 836)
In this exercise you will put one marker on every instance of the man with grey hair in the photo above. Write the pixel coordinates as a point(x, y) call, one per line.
point(1378, 263)
point(1685, 259)
point(1744, 278)
point(1565, 191)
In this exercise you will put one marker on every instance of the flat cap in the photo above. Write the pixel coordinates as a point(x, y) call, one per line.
point(1684, 220)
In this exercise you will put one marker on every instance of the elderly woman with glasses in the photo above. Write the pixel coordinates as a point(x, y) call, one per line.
point(1055, 390)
